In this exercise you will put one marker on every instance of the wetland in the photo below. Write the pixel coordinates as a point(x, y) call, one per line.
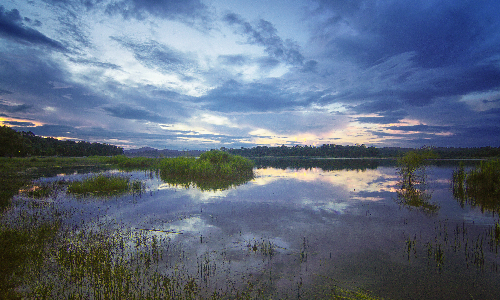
point(296, 228)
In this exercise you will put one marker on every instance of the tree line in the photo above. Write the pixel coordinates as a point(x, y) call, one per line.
point(20, 144)
point(326, 150)
point(360, 151)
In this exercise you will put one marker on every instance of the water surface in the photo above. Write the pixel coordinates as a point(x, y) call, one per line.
point(296, 232)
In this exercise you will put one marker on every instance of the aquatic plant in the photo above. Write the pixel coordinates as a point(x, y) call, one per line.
point(479, 186)
point(214, 170)
point(412, 191)
point(103, 185)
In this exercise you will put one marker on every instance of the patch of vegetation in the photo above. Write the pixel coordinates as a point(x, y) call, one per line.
point(103, 185)
point(214, 170)
point(412, 192)
point(479, 186)
point(128, 163)
point(23, 248)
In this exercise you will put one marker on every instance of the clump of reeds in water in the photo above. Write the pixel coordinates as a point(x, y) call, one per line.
point(213, 170)
point(479, 186)
point(104, 185)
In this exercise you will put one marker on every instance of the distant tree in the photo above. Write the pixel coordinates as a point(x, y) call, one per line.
point(11, 142)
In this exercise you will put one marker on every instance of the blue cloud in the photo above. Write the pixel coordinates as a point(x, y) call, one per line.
point(12, 27)
point(265, 34)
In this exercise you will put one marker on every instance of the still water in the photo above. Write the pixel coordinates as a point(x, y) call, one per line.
point(297, 231)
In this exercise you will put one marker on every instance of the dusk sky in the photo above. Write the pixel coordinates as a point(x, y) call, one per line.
point(203, 74)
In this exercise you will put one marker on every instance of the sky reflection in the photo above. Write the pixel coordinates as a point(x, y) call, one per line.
point(341, 225)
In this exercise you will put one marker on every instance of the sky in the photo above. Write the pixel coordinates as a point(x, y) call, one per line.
point(206, 74)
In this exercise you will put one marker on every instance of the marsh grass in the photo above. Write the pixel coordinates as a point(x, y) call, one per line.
point(214, 170)
point(412, 192)
point(46, 256)
point(104, 185)
point(479, 187)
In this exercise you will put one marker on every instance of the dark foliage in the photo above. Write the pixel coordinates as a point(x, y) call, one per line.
point(322, 151)
point(20, 144)
point(362, 151)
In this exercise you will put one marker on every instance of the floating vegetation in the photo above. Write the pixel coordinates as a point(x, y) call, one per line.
point(214, 170)
point(104, 185)
point(479, 187)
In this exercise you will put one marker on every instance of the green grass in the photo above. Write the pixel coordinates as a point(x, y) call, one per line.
point(412, 172)
point(214, 170)
point(103, 185)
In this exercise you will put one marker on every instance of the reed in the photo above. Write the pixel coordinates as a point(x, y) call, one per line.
point(479, 186)
point(214, 170)
point(103, 185)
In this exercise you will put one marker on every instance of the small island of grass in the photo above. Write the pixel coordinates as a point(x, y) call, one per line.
point(104, 185)
point(213, 170)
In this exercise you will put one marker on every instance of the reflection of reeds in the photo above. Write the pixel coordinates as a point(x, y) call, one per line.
point(412, 191)
point(214, 170)
point(479, 187)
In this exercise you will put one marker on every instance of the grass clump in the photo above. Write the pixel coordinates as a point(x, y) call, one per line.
point(479, 186)
point(412, 172)
point(103, 185)
point(214, 170)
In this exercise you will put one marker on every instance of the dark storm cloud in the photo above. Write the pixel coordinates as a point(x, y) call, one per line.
point(4, 92)
point(233, 96)
point(127, 112)
point(15, 108)
point(187, 10)
point(265, 34)
point(421, 128)
point(442, 33)
point(44, 81)
point(18, 124)
point(380, 120)
point(12, 27)
point(453, 45)
point(157, 56)
point(52, 130)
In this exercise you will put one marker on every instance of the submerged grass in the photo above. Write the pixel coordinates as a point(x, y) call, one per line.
point(479, 186)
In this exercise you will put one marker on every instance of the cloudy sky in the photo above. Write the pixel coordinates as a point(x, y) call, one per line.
point(202, 74)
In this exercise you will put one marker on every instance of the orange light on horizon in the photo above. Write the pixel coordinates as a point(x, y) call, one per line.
point(4, 122)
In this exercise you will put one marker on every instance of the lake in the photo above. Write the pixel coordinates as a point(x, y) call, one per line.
point(300, 228)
